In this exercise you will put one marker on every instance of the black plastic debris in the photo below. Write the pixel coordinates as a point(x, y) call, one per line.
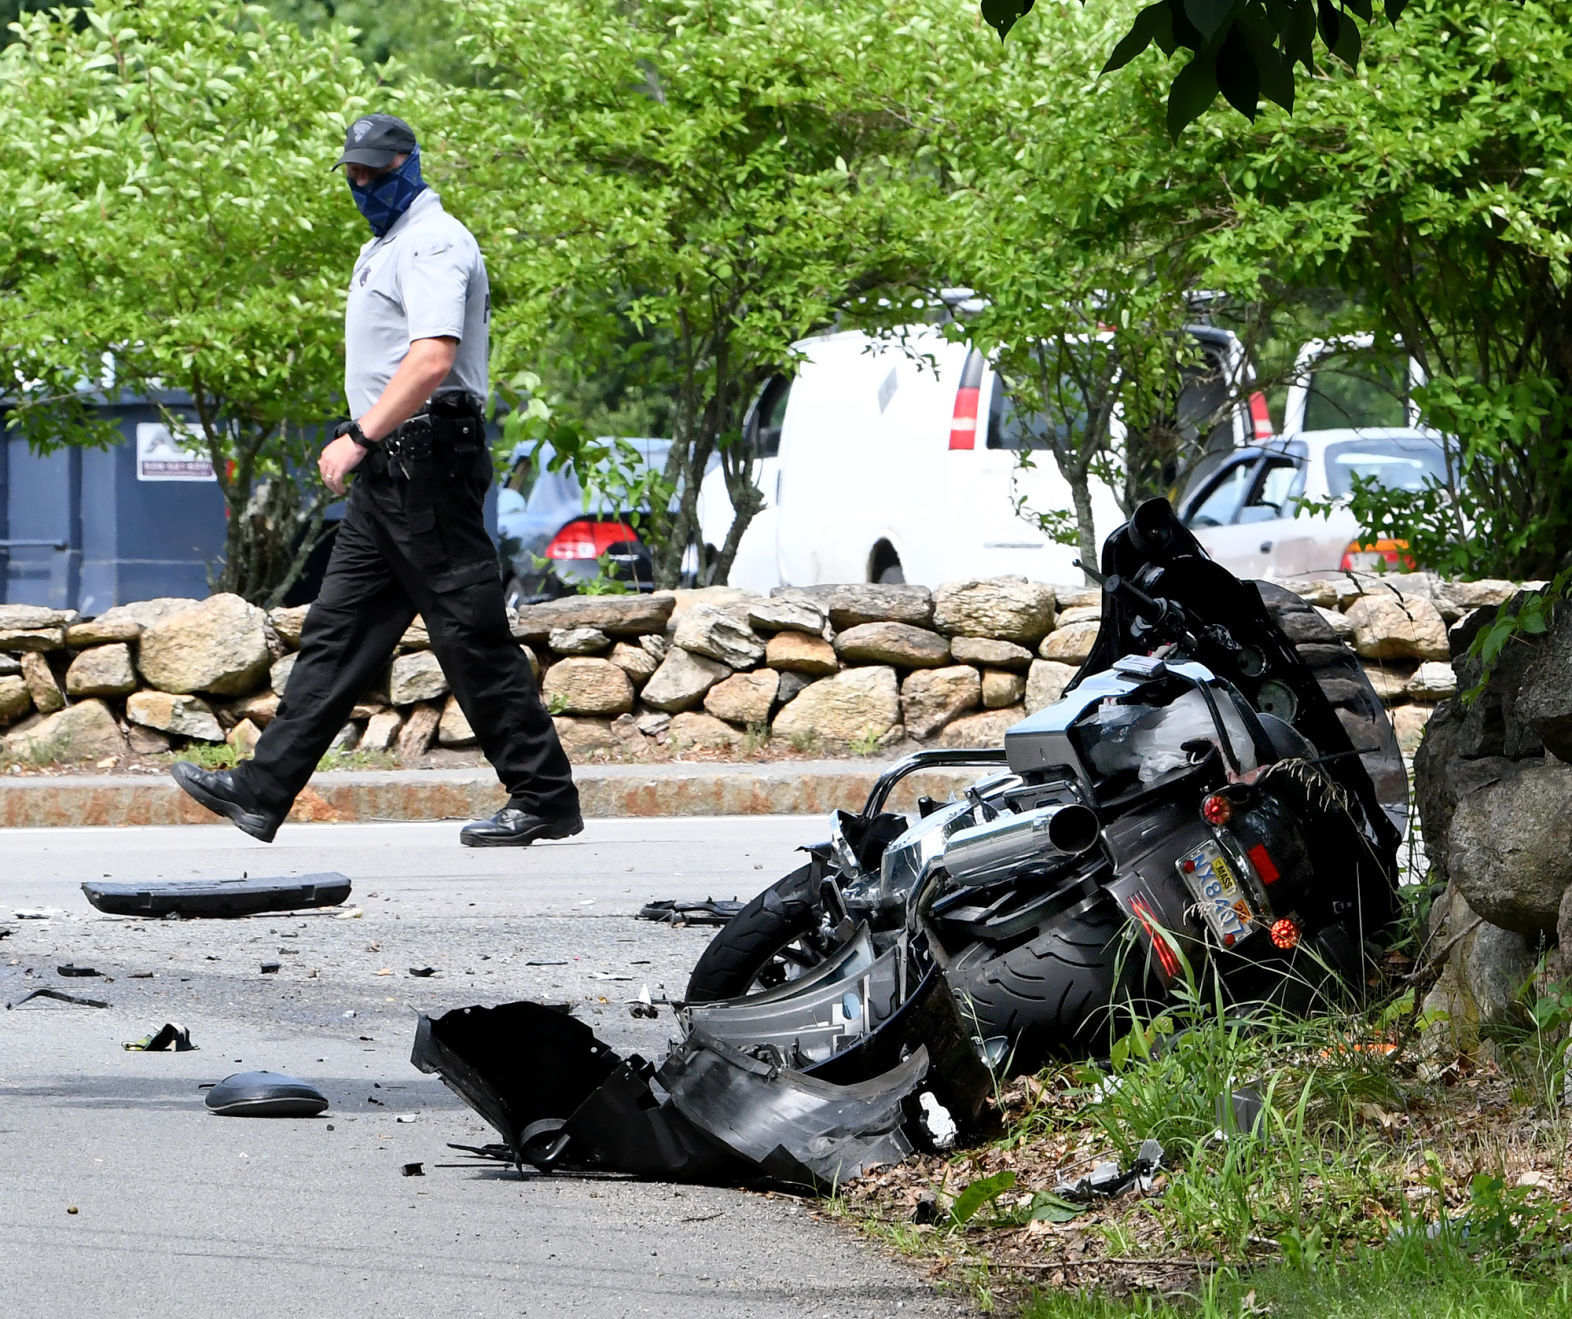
point(413, 1170)
point(671, 911)
point(60, 997)
point(643, 1005)
point(220, 897)
point(265, 1094)
point(712, 1113)
point(171, 1035)
point(1107, 1180)
point(423, 972)
point(494, 1153)
point(69, 970)
point(562, 1099)
point(271, 968)
point(794, 1127)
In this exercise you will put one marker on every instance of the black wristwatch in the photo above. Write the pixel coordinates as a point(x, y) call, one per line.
point(352, 429)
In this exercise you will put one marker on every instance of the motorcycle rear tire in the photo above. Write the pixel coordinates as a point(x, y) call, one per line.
point(1053, 996)
point(784, 913)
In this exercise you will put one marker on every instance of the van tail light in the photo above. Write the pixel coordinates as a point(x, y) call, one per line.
point(584, 538)
point(963, 425)
point(1377, 556)
point(1260, 416)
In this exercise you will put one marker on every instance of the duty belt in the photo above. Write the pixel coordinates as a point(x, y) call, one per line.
point(422, 437)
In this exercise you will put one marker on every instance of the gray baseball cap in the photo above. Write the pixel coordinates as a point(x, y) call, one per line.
point(374, 140)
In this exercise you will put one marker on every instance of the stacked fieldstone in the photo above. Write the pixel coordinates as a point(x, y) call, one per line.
point(826, 667)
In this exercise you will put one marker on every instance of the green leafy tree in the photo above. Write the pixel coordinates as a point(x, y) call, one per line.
point(724, 178)
point(1433, 191)
point(1244, 50)
point(170, 208)
point(1086, 231)
point(415, 38)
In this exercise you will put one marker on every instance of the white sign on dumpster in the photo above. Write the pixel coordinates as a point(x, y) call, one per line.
point(161, 456)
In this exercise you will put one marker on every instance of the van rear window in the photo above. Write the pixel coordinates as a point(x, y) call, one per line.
point(1011, 428)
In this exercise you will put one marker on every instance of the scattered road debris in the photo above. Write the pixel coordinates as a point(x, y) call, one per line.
point(219, 897)
point(171, 1035)
point(791, 1097)
point(545, 963)
point(60, 997)
point(494, 1153)
point(69, 970)
point(424, 972)
point(265, 1094)
point(414, 1170)
point(38, 914)
point(5, 933)
point(608, 975)
point(674, 911)
point(1107, 1180)
point(642, 1006)
point(271, 968)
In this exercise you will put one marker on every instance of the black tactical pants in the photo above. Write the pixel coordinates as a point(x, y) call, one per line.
point(409, 545)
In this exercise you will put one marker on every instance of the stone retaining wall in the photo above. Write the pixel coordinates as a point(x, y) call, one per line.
point(827, 668)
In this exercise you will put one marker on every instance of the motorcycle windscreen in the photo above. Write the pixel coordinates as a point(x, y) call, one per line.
point(1342, 678)
point(1131, 741)
point(1369, 727)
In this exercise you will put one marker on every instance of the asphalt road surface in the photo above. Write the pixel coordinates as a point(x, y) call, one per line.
point(120, 1195)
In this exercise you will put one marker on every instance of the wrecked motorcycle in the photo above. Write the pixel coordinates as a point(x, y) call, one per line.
point(1217, 787)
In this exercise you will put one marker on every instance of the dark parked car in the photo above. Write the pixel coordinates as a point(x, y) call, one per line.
point(552, 542)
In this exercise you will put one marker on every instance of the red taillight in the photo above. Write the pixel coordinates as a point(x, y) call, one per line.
point(1377, 556)
point(963, 425)
point(1217, 809)
point(1285, 934)
point(1165, 954)
point(1260, 416)
point(1261, 859)
point(584, 539)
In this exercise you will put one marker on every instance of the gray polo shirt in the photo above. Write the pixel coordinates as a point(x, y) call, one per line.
point(422, 279)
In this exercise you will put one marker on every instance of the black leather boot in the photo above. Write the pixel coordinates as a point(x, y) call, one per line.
point(223, 794)
point(511, 827)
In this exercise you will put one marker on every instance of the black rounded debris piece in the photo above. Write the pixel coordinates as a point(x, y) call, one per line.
point(265, 1094)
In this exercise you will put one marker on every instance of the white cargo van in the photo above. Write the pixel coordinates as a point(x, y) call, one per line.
point(896, 459)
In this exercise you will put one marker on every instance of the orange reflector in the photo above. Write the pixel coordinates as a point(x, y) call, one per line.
point(1217, 809)
point(1285, 934)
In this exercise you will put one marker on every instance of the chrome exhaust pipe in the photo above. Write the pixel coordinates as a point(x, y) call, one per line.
point(1002, 846)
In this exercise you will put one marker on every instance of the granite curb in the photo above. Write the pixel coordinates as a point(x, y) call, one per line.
point(606, 791)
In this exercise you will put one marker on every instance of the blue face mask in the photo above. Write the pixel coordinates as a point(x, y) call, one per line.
point(386, 198)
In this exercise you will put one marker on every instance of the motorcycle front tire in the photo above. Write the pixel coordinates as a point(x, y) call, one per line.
point(786, 912)
point(1054, 996)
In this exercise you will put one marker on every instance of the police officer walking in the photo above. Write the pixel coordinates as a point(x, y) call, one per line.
point(413, 539)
